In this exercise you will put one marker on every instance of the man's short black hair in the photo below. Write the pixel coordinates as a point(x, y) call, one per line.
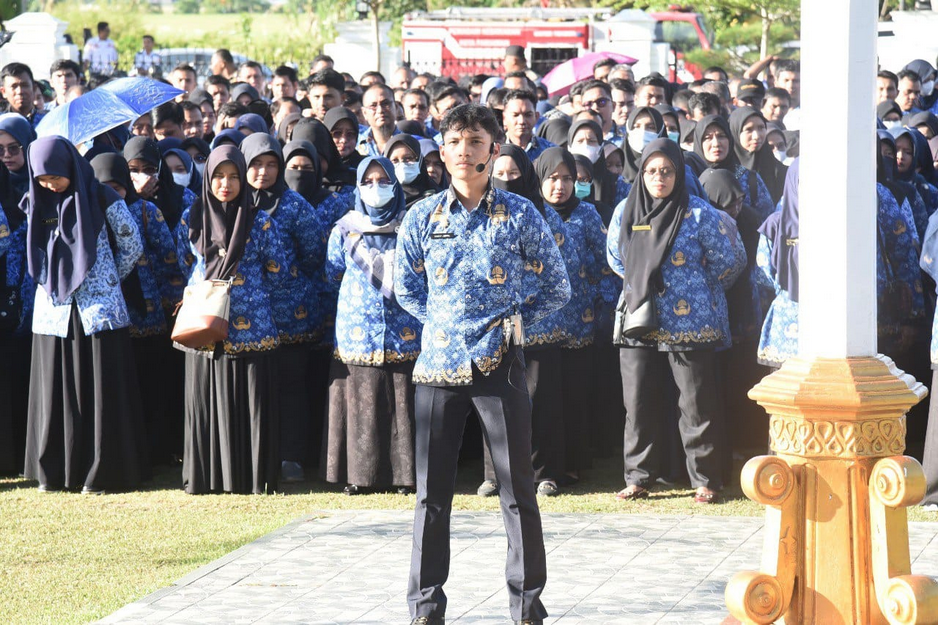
point(351, 98)
point(319, 58)
point(520, 94)
point(621, 84)
point(150, 37)
point(185, 67)
point(478, 79)
point(219, 81)
point(520, 74)
point(776, 92)
point(446, 92)
point(279, 102)
point(788, 65)
point(167, 112)
point(251, 64)
point(885, 73)
point(327, 77)
point(577, 88)
point(225, 55)
point(64, 65)
point(12, 70)
point(232, 109)
point(654, 81)
point(189, 105)
point(598, 84)
point(102, 26)
point(260, 107)
point(420, 93)
point(908, 74)
point(285, 71)
point(380, 85)
point(470, 117)
point(717, 70)
point(606, 62)
point(375, 74)
point(496, 98)
point(706, 102)
point(681, 99)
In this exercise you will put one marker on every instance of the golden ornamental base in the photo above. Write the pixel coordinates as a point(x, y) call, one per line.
point(836, 532)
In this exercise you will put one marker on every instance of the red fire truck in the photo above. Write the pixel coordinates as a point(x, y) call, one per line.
point(459, 41)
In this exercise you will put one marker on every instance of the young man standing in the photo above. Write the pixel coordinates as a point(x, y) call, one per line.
point(475, 264)
point(100, 53)
point(519, 117)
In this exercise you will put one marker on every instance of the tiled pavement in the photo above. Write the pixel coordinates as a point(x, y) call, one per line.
point(351, 567)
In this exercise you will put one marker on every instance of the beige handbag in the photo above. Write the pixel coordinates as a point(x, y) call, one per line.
point(202, 318)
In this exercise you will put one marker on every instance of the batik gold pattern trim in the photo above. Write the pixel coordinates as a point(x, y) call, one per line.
point(837, 439)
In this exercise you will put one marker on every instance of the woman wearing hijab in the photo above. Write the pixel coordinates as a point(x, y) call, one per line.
point(154, 182)
point(368, 440)
point(84, 429)
point(432, 163)
point(286, 126)
point(405, 155)
point(342, 125)
point(682, 263)
point(148, 294)
point(243, 94)
point(198, 150)
point(643, 125)
point(229, 136)
point(294, 302)
point(889, 113)
point(750, 132)
point(913, 157)
point(585, 235)
point(182, 167)
point(251, 123)
point(337, 176)
point(16, 133)
point(585, 137)
point(232, 434)
point(14, 357)
point(902, 190)
point(554, 130)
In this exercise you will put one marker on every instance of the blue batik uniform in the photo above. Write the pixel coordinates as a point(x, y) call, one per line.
point(900, 263)
point(779, 338)
point(367, 145)
point(551, 329)
point(99, 299)
point(296, 306)
point(371, 328)
point(536, 146)
point(705, 260)
point(251, 326)
point(622, 189)
point(462, 274)
point(929, 264)
point(330, 210)
point(587, 236)
point(17, 275)
point(757, 198)
point(156, 269)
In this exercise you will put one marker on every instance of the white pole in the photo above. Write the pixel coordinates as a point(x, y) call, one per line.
point(837, 247)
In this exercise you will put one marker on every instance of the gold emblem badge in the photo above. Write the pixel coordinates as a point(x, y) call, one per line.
point(587, 316)
point(242, 323)
point(498, 213)
point(441, 276)
point(418, 265)
point(682, 308)
point(559, 239)
point(407, 334)
point(534, 265)
point(497, 275)
point(300, 312)
point(357, 333)
point(899, 228)
point(273, 266)
point(440, 339)
point(238, 279)
point(677, 259)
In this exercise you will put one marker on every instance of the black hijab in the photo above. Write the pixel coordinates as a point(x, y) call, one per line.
point(285, 127)
point(924, 118)
point(242, 88)
point(730, 161)
point(605, 210)
point(169, 195)
point(630, 167)
point(886, 169)
point(63, 230)
point(886, 107)
point(219, 230)
point(781, 228)
point(421, 186)
point(554, 130)
point(545, 165)
point(337, 174)
point(256, 145)
point(527, 186)
point(332, 117)
point(412, 127)
point(604, 181)
point(306, 183)
point(644, 250)
point(762, 161)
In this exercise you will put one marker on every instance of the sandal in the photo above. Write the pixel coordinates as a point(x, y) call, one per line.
point(548, 488)
point(632, 492)
point(705, 495)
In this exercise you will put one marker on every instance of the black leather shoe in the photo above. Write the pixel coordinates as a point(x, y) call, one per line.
point(428, 620)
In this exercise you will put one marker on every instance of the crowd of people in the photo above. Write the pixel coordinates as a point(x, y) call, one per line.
point(658, 272)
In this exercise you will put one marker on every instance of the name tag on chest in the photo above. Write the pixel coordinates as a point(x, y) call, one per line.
point(443, 235)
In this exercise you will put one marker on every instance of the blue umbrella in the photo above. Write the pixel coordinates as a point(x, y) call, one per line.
point(110, 105)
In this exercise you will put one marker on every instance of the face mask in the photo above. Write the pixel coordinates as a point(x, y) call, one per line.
point(375, 195)
point(675, 136)
point(928, 87)
point(895, 123)
point(182, 179)
point(582, 189)
point(139, 178)
point(199, 167)
point(407, 172)
point(639, 138)
point(781, 155)
point(589, 151)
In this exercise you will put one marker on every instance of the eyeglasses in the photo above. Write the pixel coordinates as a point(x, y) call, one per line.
point(384, 104)
point(664, 173)
point(599, 103)
point(13, 149)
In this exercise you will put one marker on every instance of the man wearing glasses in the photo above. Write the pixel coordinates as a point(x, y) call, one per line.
point(379, 109)
point(597, 97)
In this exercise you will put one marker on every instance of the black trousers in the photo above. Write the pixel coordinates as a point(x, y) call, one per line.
point(644, 376)
point(501, 400)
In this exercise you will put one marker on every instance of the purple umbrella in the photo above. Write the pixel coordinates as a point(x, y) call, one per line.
point(559, 80)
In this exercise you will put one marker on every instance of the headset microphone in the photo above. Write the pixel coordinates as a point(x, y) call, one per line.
point(481, 166)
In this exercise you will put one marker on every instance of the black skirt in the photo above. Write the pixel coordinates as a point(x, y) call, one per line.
point(155, 359)
point(14, 398)
point(85, 425)
point(368, 437)
point(232, 429)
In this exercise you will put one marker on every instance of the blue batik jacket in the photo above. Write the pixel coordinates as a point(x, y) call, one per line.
point(897, 263)
point(461, 273)
point(552, 328)
point(371, 328)
point(157, 270)
point(706, 258)
point(251, 326)
point(17, 275)
point(779, 338)
point(329, 212)
point(99, 299)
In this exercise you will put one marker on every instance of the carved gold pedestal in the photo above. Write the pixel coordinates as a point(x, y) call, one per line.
point(836, 535)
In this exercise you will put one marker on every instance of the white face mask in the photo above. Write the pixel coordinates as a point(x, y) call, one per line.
point(199, 167)
point(781, 155)
point(375, 195)
point(589, 151)
point(182, 179)
point(139, 178)
point(893, 123)
point(407, 172)
point(928, 87)
point(639, 138)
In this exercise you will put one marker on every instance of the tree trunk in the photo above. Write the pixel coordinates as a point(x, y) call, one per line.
point(766, 26)
point(376, 35)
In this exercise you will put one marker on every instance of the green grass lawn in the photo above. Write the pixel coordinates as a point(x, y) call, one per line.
point(68, 558)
